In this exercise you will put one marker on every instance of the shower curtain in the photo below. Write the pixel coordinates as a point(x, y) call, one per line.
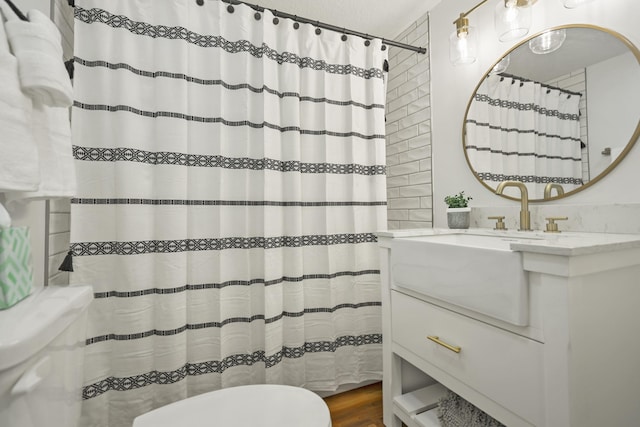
point(525, 131)
point(231, 180)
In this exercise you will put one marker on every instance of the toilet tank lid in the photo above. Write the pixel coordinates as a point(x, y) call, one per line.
point(34, 322)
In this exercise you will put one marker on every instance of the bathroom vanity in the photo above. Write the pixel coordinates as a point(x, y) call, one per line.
point(536, 329)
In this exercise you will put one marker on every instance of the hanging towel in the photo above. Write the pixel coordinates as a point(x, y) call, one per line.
point(37, 45)
point(18, 153)
point(52, 132)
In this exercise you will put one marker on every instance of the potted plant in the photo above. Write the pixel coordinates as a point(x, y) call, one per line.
point(458, 211)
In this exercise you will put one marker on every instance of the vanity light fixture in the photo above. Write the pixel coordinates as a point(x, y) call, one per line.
point(512, 18)
point(570, 4)
point(547, 42)
point(462, 42)
point(512, 21)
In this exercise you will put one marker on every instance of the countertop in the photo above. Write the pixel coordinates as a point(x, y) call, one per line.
point(564, 243)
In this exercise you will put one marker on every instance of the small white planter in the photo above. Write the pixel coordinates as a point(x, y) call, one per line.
point(459, 218)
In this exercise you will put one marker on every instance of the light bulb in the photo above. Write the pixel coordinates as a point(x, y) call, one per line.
point(462, 46)
point(547, 42)
point(511, 21)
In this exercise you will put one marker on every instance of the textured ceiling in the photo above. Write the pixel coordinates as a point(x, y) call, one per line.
point(381, 18)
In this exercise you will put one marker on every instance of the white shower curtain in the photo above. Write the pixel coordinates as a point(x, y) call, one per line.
point(231, 179)
point(525, 131)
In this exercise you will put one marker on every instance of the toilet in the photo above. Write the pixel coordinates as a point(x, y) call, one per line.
point(41, 368)
point(41, 358)
point(261, 405)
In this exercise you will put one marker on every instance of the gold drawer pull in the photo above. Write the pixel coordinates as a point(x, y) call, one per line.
point(453, 348)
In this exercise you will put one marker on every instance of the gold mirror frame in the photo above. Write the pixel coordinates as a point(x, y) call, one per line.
point(605, 172)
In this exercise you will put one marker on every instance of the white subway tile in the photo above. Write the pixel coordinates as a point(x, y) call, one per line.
point(59, 222)
point(425, 127)
point(405, 133)
point(427, 201)
point(397, 80)
point(391, 95)
point(415, 118)
point(415, 224)
point(421, 141)
point(404, 169)
point(404, 203)
point(397, 114)
point(58, 243)
point(419, 68)
point(418, 104)
point(403, 66)
point(420, 178)
point(420, 190)
point(412, 155)
point(397, 181)
point(397, 148)
point(393, 225)
point(405, 99)
point(425, 164)
point(393, 160)
point(60, 205)
point(398, 214)
point(421, 215)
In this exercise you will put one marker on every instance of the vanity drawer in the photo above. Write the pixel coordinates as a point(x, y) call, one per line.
point(505, 367)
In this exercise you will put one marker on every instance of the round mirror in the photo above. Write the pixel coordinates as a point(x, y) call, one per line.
point(558, 112)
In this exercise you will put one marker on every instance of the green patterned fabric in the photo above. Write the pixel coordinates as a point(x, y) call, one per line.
point(16, 271)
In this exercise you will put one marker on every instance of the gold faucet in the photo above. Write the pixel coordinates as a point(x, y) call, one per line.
point(550, 186)
point(525, 215)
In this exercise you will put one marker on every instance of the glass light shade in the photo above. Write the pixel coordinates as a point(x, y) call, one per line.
point(463, 47)
point(570, 4)
point(501, 66)
point(512, 22)
point(547, 42)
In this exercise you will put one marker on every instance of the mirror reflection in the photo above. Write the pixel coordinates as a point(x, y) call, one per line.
point(558, 112)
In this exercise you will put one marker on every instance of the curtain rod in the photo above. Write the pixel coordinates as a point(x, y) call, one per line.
point(316, 23)
point(546, 86)
point(326, 26)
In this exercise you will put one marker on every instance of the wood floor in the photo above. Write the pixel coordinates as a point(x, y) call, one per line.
point(361, 407)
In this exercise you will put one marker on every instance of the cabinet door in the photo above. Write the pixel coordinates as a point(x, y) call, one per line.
point(505, 367)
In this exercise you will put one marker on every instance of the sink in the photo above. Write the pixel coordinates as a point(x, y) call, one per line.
point(477, 272)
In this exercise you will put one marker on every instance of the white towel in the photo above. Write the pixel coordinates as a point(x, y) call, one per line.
point(52, 132)
point(37, 45)
point(18, 153)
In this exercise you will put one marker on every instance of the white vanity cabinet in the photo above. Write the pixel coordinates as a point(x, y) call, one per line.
point(575, 364)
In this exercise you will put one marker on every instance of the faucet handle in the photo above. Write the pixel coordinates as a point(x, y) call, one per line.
point(552, 227)
point(499, 224)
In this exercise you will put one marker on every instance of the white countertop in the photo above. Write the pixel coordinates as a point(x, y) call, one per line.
point(564, 243)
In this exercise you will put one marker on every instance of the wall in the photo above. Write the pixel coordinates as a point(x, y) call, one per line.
point(452, 87)
point(409, 132)
point(610, 82)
